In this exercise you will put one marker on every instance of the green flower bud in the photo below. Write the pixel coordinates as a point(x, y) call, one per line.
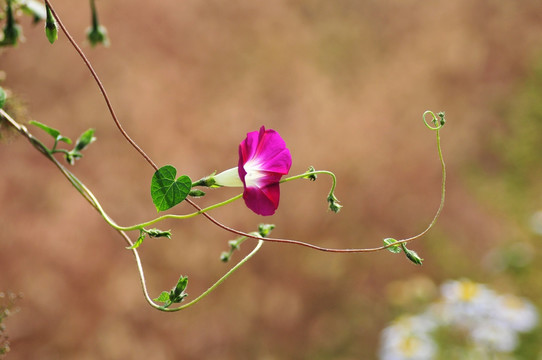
point(196, 193)
point(225, 256)
point(334, 203)
point(156, 233)
point(97, 35)
point(51, 29)
point(12, 32)
point(442, 119)
point(411, 255)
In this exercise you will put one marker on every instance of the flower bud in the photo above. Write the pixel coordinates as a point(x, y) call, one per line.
point(51, 29)
point(97, 35)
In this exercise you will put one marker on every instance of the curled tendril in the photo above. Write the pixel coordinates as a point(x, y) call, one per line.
point(438, 120)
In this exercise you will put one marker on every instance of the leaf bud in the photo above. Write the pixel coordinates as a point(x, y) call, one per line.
point(265, 229)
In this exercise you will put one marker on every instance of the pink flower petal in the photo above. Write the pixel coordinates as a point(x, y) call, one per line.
point(263, 160)
point(263, 201)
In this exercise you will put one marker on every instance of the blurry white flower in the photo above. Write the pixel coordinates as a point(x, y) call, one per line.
point(489, 324)
point(466, 303)
point(516, 313)
point(494, 336)
point(408, 339)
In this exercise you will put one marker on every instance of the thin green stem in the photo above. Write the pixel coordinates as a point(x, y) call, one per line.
point(218, 282)
point(10, 20)
point(179, 217)
point(313, 172)
point(94, 14)
point(83, 189)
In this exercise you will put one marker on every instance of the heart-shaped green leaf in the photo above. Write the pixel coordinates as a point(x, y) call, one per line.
point(166, 191)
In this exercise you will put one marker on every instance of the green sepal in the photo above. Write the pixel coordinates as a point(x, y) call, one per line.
point(310, 174)
point(166, 191)
point(396, 249)
point(208, 181)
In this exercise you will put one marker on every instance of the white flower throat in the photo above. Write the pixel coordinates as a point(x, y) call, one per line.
point(254, 173)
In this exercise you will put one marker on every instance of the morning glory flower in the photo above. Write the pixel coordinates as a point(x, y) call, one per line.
point(263, 160)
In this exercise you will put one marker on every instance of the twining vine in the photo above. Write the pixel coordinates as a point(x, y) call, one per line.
point(264, 163)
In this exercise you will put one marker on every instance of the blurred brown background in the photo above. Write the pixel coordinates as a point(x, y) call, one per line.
point(345, 83)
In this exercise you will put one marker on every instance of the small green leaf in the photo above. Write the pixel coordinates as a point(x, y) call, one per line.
point(138, 242)
point(49, 130)
point(164, 297)
point(2, 97)
point(166, 191)
point(84, 140)
point(396, 249)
